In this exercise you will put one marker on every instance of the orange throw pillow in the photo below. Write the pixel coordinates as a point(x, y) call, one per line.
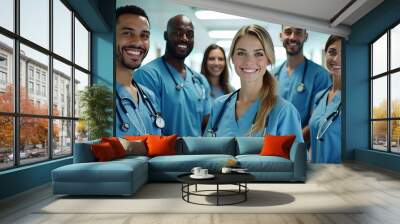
point(277, 145)
point(161, 145)
point(116, 145)
point(103, 151)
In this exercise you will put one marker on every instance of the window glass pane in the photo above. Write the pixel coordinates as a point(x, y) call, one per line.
point(35, 21)
point(395, 47)
point(6, 74)
point(81, 45)
point(33, 139)
point(395, 136)
point(379, 55)
point(379, 135)
point(395, 95)
point(7, 14)
point(62, 141)
point(6, 142)
point(62, 29)
point(62, 89)
point(34, 97)
point(81, 131)
point(81, 81)
point(379, 98)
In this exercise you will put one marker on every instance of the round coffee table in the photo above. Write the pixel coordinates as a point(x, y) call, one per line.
point(238, 179)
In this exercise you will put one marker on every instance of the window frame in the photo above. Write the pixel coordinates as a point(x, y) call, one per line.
point(16, 115)
point(389, 72)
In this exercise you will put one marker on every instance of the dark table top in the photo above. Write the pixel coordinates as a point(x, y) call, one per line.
point(220, 178)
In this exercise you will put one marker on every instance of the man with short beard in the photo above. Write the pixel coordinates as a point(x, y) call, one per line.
point(184, 94)
point(136, 108)
point(299, 79)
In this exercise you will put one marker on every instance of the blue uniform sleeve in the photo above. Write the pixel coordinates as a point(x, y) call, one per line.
point(322, 81)
point(317, 99)
point(150, 80)
point(290, 122)
point(207, 101)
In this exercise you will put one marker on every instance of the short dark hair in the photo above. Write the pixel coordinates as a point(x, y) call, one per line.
point(131, 9)
point(332, 39)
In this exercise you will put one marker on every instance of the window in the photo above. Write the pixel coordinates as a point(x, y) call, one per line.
point(30, 87)
point(39, 81)
point(385, 95)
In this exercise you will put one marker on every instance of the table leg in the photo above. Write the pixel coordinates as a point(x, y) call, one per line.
point(217, 194)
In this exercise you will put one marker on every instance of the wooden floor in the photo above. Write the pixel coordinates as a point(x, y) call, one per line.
point(377, 188)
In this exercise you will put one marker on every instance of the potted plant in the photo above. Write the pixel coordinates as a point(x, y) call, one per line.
point(96, 103)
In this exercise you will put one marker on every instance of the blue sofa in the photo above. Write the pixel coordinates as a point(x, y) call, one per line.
point(125, 176)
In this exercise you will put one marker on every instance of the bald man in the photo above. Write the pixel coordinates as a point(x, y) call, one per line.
point(183, 94)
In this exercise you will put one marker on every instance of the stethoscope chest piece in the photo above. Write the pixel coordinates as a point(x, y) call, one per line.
point(124, 126)
point(159, 122)
point(179, 87)
point(300, 88)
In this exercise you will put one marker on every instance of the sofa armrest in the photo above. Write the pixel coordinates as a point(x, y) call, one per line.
point(83, 152)
point(298, 157)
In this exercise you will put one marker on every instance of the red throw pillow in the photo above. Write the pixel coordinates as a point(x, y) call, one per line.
point(116, 145)
point(277, 145)
point(103, 151)
point(161, 145)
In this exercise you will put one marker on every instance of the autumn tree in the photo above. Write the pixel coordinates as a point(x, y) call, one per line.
point(33, 131)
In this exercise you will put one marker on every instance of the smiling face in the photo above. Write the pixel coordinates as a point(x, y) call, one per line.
point(132, 40)
point(180, 37)
point(215, 62)
point(249, 59)
point(293, 39)
point(334, 58)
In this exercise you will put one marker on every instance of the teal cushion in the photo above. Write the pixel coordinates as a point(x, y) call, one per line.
point(257, 163)
point(83, 152)
point(185, 163)
point(207, 145)
point(249, 145)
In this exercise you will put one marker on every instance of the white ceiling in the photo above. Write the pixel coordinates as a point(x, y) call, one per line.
point(316, 15)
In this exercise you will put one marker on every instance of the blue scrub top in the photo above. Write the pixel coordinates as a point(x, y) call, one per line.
point(183, 110)
point(327, 150)
point(138, 117)
point(316, 79)
point(282, 120)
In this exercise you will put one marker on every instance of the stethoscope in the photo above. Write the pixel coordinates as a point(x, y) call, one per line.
point(301, 87)
point(179, 86)
point(214, 128)
point(158, 120)
point(328, 120)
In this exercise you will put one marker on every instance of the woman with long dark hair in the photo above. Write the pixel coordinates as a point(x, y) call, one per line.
point(215, 69)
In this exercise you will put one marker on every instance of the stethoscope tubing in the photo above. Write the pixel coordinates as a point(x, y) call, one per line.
point(302, 75)
point(202, 92)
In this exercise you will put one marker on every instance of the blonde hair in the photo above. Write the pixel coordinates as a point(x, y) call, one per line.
point(268, 92)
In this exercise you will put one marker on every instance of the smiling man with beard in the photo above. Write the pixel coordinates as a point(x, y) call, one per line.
point(299, 79)
point(136, 108)
point(183, 94)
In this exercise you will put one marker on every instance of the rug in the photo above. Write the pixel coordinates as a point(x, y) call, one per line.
point(166, 198)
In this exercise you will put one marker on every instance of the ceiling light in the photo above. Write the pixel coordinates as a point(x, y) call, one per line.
point(224, 43)
point(209, 15)
point(222, 34)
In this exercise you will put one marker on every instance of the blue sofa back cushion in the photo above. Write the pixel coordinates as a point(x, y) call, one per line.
point(83, 153)
point(207, 145)
point(249, 145)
